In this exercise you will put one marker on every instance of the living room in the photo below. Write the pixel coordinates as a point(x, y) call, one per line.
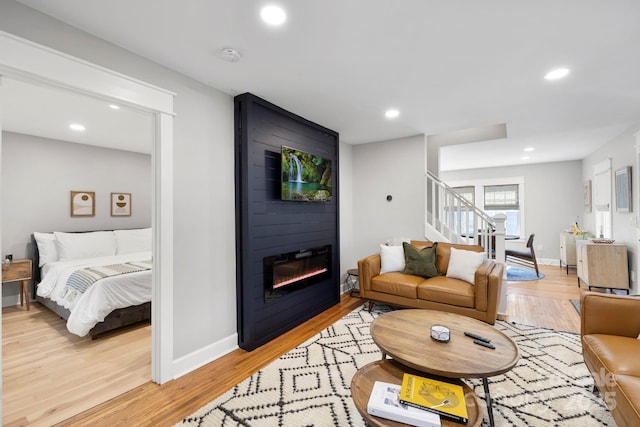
point(204, 162)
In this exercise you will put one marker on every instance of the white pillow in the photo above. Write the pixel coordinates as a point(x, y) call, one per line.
point(85, 245)
point(463, 264)
point(391, 258)
point(397, 241)
point(133, 240)
point(47, 249)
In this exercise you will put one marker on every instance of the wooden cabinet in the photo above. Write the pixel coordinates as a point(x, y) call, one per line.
point(19, 270)
point(602, 265)
point(567, 250)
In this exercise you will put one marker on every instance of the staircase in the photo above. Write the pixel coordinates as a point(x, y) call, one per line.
point(452, 218)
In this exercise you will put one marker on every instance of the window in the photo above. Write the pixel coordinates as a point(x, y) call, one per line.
point(460, 215)
point(504, 199)
point(492, 195)
point(467, 192)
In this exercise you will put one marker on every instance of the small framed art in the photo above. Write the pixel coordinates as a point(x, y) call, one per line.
point(83, 203)
point(120, 204)
point(623, 189)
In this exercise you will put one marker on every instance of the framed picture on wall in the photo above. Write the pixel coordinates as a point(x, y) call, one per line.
point(623, 189)
point(120, 204)
point(587, 196)
point(83, 203)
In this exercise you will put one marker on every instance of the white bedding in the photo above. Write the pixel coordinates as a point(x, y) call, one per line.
point(103, 296)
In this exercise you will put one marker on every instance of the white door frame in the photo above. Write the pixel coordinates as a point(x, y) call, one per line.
point(636, 215)
point(23, 59)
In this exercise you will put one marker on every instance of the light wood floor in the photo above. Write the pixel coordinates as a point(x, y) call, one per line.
point(543, 303)
point(44, 367)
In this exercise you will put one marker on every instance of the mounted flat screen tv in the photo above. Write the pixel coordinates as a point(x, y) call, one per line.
point(305, 176)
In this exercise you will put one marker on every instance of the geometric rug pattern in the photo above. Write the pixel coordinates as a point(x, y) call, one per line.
point(309, 386)
point(576, 304)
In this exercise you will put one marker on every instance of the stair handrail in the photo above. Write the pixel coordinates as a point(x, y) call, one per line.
point(483, 224)
point(458, 197)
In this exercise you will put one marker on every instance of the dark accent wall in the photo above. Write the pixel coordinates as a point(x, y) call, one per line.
point(267, 225)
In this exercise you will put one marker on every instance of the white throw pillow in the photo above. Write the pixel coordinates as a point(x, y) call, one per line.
point(391, 258)
point(47, 249)
point(85, 245)
point(129, 241)
point(463, 264)
point(397, 241)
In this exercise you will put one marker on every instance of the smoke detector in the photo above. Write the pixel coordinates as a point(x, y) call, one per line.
point(230, 54)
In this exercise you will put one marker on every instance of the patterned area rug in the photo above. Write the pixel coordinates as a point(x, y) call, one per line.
point(522, 274)
point(576, 304)
point(309, 386)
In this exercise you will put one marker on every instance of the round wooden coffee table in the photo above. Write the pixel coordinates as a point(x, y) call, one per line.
point(391, 371)
point(405, 335)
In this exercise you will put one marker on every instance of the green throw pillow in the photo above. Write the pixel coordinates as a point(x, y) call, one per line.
point(420, 263)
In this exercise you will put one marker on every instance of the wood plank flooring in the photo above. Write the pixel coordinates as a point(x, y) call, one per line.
point(45, 367)
point(542, 303)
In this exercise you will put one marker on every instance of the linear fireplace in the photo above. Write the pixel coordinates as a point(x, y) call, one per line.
point(288, 272)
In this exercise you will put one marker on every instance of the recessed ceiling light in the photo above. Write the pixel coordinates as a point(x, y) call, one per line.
point(557, 74)
point(273, 15)
point(529, 149)
point(114, 106)
point(392, 113)
point(77, 127)
point(525, 157)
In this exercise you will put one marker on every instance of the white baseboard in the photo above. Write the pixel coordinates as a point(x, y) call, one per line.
point(201, 357)
point(12, 301)
point(549, 261)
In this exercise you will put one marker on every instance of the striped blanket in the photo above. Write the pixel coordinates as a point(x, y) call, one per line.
point(80, 280)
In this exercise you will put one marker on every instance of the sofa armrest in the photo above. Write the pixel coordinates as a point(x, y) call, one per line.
point(368, 268)
point(609, 314)
point(487, 284)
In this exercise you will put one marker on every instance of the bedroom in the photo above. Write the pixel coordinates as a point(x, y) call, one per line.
point(27, 162)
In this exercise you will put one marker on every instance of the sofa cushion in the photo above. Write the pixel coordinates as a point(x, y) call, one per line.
point(396, 283)
point(627, 398)
point(420, 262)
point(616, 354)
point(391, 258)
point(443, 252)
point(447, 291)
point(463, 264)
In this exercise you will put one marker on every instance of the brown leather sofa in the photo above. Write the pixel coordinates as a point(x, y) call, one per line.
point(610, 325)
point(479, 300)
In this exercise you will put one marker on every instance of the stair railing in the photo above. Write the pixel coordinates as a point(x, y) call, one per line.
point(458, 220)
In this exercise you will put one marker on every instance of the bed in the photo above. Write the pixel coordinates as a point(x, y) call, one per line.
point(97, 281)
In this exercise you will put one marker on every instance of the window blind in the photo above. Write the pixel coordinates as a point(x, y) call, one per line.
point(497, 197)
point(467, 192)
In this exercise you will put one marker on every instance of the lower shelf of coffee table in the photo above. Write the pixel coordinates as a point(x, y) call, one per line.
point(391, 371)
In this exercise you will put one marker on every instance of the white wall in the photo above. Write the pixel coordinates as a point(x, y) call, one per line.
point(553, 199)
point(347, 236)
point(622, 152)
point(37, 177)
point(396, 168)
point(204, 229)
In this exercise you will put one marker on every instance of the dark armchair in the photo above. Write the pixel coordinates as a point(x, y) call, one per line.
point(526, 257)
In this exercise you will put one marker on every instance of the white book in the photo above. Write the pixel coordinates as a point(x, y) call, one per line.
point(384, 403)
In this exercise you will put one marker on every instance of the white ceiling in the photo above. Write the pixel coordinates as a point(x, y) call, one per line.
point(446, 65)
point(47, 112)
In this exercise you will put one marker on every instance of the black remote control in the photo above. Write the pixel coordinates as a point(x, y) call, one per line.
point(477, 337)
point(484, 343)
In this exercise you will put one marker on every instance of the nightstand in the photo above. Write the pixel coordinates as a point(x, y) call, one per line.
point(19, 270)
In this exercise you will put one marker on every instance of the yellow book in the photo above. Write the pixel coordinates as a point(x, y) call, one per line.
point(436, 396)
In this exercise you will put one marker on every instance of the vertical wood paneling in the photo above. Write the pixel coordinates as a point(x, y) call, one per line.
point(267, 225)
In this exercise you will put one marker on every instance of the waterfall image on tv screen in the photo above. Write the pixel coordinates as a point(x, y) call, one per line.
point(305, 177)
